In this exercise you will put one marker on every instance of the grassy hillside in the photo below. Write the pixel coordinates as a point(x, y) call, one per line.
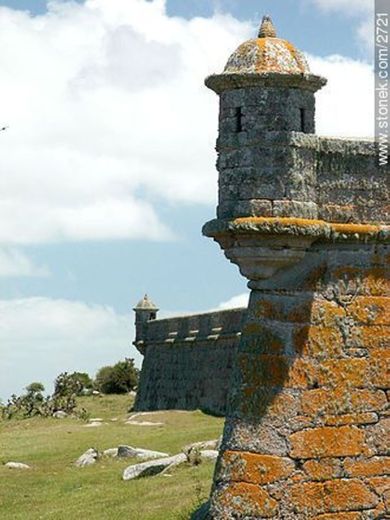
point(55, 489)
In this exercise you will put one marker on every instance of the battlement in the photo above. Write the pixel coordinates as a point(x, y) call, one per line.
point(294, 174)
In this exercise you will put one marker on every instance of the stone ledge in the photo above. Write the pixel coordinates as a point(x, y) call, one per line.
point(318, 229)
point(221, 82)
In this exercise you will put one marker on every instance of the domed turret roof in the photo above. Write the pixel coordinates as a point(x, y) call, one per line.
point(266, 54)
point(266, 61)
point(146, 304)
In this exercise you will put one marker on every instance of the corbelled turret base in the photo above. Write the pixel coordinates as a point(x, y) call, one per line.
point(308, 432)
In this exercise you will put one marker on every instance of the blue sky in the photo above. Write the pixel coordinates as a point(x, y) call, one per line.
point(109, 161)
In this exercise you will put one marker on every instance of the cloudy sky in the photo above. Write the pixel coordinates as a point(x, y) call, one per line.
point(107, 169)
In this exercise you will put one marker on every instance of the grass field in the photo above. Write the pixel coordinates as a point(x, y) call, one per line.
point(55, 489)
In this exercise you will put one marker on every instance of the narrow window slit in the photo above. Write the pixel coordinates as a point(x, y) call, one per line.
point(238, 120)
point(303, 126)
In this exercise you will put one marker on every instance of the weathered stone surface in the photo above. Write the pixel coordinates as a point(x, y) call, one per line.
point(110, 452)
point(209, 454)
point(17, 465)
point(332, 496)
point(168, 379)
point(88, 458)
point(339, 516)
point(125, 451)
point(327, 442)
point(367, 467)
point(213, 444)
point(378, 437)
point(254, 468)
point(152, 467)
point(324, 469)
point(243, 500)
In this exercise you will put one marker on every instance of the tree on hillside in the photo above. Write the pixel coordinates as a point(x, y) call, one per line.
point(72, 384)
point(118, 379)
point(35, 388)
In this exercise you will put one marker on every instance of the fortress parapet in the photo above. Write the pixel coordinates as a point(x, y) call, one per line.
point(188, 361)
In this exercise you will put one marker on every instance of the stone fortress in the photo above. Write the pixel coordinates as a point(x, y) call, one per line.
point(306, 366)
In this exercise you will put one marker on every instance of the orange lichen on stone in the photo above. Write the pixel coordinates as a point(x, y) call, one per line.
point(327, 442)
point(339, 228)
point(325, 469)
point(349, 372)
point(277, 371)
point(282, 221)
point(253, 468)
point(268, 309)
point(264, 370)
point(326, 314)
point(340, 516)
point(343, 400)
point(380, 368)
point(380, 484)
point(375, 336)
point(370, 310)
point(354, 418)
point(332, 496)
point(367, 467)
point(247, 500)
point(319, 342)
point(361, 229)
point(301, 374)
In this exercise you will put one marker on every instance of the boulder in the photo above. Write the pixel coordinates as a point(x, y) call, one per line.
point(203, 445)
point(152, 467)
point(88, 458)
point(111, 452)
point(60, 414)
point(209, 454)
point(16, 465)
point(129, 451)
point(94, 424)
point(144, 423)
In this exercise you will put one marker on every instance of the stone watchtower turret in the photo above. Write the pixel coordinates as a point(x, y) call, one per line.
point(306, 219)
point(145, 310)
point(266, 94)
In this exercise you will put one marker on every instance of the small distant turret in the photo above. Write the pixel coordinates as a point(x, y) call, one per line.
point(145, 310)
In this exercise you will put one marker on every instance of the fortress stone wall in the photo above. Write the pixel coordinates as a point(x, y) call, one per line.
point(307, 221)
point(188, 361)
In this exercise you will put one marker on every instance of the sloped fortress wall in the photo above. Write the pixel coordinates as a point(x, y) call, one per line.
point(188, 361)
point(308, 431)
point(307, 221)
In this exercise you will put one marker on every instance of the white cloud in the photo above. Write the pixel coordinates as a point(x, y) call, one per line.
point(108, 114)
point(14, 263)
point(109, 117)
point(240, 300)
point(345, 105)
point(41, 337)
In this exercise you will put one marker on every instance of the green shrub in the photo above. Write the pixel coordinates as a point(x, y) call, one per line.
point(118, 379)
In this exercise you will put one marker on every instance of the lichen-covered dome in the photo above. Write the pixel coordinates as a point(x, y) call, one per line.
point(267, 54)
point(145, 304)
